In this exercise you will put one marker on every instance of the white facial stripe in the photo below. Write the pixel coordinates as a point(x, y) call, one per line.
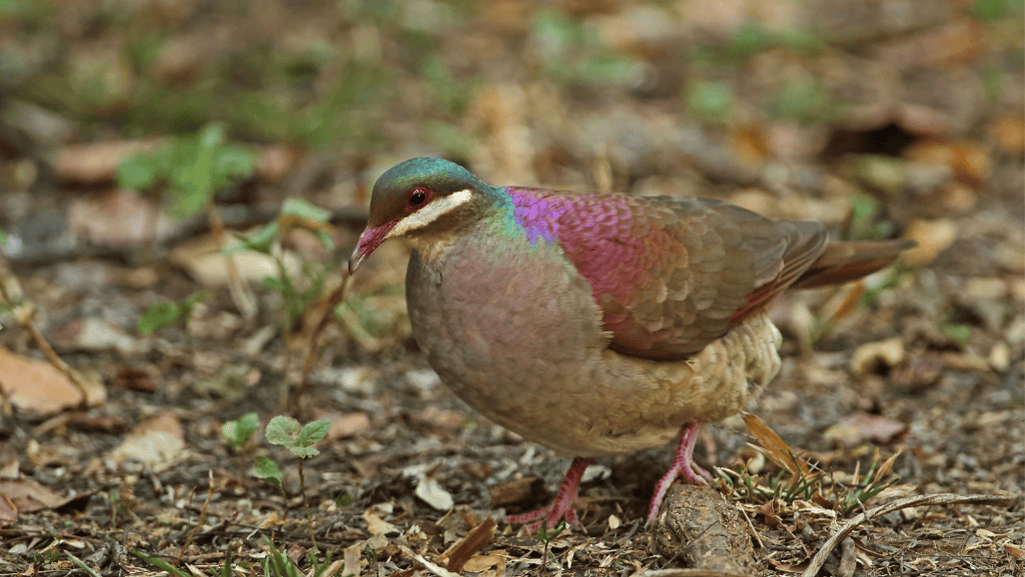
point(430, 213)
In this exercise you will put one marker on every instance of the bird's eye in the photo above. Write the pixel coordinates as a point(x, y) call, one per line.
point(418, 197)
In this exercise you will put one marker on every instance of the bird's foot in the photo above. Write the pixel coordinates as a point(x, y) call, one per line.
point(683, 466)
point(548, 516)
point(564, 505)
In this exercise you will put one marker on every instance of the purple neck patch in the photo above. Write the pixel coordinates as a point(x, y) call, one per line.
point(538, 216)
point(608, 238)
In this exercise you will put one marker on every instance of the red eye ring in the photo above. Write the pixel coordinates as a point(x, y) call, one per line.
point(418, 197)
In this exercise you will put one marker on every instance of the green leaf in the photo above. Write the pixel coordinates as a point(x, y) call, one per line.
point(313, 431)
point(158, 563)
point(3, 237)
point(302, 208)
point(304, 452)
point(81, 565)
point(139, 172)
point(159, 316)
point(268, 470)
point(236, 161)
point(958, 332)
point(990, 10)
point(282, 431)
point(710, 101)
point(165, 314)
point(260, 241)
point(239, 431)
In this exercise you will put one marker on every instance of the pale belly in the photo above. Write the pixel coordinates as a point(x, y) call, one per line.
point(522, 344)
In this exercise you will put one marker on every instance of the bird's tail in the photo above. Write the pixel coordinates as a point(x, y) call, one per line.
point(844, 261)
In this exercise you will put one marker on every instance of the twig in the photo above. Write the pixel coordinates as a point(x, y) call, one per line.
point(936, 499)
point(202, 517)
point(24, 318)
point(691, 573)
point(433, 568)
point(311, 346)
point(309, 518)
point(240, 292)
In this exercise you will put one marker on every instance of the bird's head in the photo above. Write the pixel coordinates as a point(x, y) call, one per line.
point(415, 199)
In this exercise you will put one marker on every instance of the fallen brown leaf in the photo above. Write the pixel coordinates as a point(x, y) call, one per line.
point(462, 550)
point(37, 387)
point(859, 427)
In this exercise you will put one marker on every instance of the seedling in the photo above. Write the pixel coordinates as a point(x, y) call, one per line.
point(236, 433)
point(288, 433)
point(296, 214)
point(159, 563)
point(799, 479)
point(277, 564)
point(574, 53)
point(546, 536)
point(165, 314)
point(189, 171)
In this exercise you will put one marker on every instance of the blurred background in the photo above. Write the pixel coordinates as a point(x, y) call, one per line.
point(140, 137)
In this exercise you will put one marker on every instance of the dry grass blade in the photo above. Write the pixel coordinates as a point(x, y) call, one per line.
point(774, 447)
point(690, 573)
point(433, 568)
point(936, 499)
point(460, 552)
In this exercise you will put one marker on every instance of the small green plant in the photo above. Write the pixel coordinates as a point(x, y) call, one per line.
point(277, 564)
point(295, 214)
point(710, 101)
point(81, 565)
point(159, 563)
point(238, 432)
point(188, 171)
point(957, 332)
point(802, 99)
point(546, 536)
point(991, 10)
point(165, 314)
point(798, 479)
point(572, 52)
point(299, 440)
point(269, 471)
point(865, 223)
point(46, 556)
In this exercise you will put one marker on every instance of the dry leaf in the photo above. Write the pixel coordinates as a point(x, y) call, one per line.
point(118, 218)
point(95, 162)
point(347, 425)
point(933, 237)
point(431, 492)
point(1009, 133)
point(157, 442)
point(28, 495)
point(377, 525)
point(461, 551)
point(37, 387)
point(777, 450)
point(870, 355)
point(513, 491)
point(479, 563)
point(204, 261)
point(859, 427)
point(8, 511)
point(352, 555)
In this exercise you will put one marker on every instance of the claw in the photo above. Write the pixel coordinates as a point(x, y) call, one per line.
point(564, 505)
point(683, 466)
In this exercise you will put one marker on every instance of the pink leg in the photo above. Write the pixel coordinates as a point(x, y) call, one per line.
point(683, 465)
point(562, 506)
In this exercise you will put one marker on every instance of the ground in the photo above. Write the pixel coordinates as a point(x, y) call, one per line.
point(881, 119)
